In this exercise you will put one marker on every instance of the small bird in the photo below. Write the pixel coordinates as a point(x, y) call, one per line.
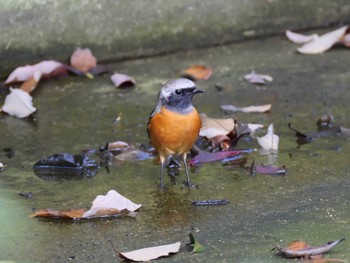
point(174, 124)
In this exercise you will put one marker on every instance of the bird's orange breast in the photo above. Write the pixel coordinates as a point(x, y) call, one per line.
point(174, 133)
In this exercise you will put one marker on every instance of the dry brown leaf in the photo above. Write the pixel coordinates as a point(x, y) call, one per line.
point(111, 204)
point(122, 80)
point(59, 214)
point(215, 127)
point(221, 140)
point(30, 84)
point(117, 146)
point(150, 253)
point(18, 103)
point(346, 38)
point(300, 38)
point(297, 245)
point(74, 213)
point(198, 72)
point(324, 42)
point(48, 68)
point(261, 108)
point(83, 59)
point(307, 251)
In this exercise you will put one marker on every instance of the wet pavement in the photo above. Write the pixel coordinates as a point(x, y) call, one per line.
point(310, 203)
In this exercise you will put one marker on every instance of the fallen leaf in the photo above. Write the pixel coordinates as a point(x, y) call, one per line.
point(307, 138)
point(18, 103)
point(72, 213)
point(215, 127)
point(2, 167)
point(345, 131)
point(253, 127)
point(197, 247)
point(117, 146)
point(321, 260)
point(261, 108)
point(299, 38)
point(255, 78)
point(346, 38)
point(122, 80)
point(221, 141)
point(208, 157)
point(297, 245)
point(83, 59)
point(295, 252)
point(268, 169)
point(270, 140)
point(324, 42)
point(112, 200)
point(66, 166)
point(198, 72)
point(48, 68)
point(30, 84)
point(210, 202)
point(150, 253)
point(325, 121)
point(133, 155)
point(111, 204)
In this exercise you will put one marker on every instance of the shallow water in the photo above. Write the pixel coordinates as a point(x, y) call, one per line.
point(75, 114)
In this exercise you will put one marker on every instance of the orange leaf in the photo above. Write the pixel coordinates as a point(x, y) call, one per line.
point(198, 72)
point(30, 84)
point(83, 59)
point(61, 214)
point(297, 245)
point(77, 213)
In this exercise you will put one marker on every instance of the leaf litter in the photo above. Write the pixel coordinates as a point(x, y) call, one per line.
point(320, 44)
point(298, 249)
point(110, 205)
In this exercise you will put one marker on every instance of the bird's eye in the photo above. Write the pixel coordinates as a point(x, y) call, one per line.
point(178, 92)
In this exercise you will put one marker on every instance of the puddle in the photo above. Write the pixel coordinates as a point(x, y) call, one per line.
point(75, 114)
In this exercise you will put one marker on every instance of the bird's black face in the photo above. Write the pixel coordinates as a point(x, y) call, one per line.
point(181, 99)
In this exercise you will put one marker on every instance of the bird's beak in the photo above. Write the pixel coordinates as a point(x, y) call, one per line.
point(197, 91)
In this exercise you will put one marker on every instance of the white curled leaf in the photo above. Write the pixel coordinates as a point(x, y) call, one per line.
point(151, 253)
point(256, 78)
point(260, 108)
point(122, 79)
point(112, 200)
point(46, 67)
point(300, 38)
point(324, 42)
point(270, 140)
point(18, 103)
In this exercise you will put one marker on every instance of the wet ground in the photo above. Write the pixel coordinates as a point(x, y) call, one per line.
point(311, 203)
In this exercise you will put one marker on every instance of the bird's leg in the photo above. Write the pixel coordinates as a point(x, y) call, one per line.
point(162, 161)
point(188, 182)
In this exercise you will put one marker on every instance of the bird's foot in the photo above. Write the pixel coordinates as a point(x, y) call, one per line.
point(162, 187)
point(190, 185)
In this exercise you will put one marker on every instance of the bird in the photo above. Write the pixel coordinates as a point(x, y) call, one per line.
point(174, 123)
